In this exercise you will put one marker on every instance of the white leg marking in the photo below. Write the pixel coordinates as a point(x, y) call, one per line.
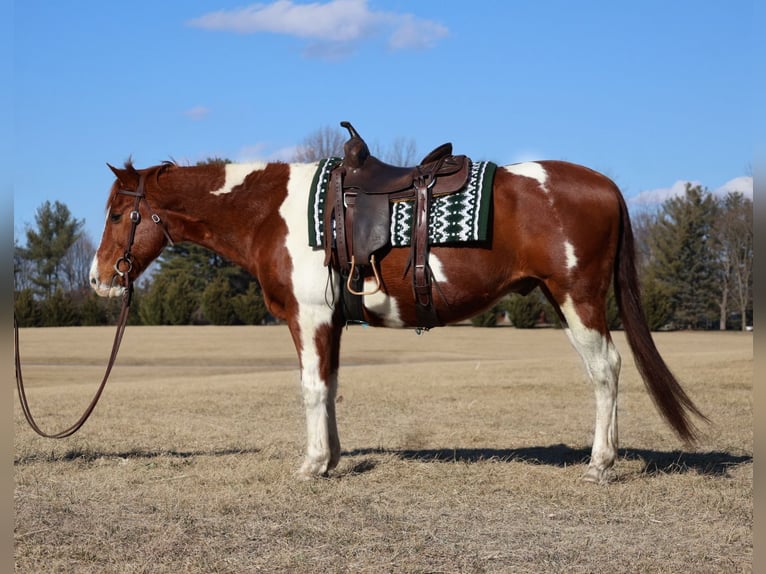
point(319, 402)
point(236, 174)
point(571, 257)
point(532, 170)
point(602, 363)
point(309, 279)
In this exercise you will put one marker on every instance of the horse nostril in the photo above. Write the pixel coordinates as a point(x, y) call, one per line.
point(93, 281)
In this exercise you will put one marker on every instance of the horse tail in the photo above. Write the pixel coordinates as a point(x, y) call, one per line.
point(666, 392)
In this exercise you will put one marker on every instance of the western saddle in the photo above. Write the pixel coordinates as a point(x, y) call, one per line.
point(358, 214)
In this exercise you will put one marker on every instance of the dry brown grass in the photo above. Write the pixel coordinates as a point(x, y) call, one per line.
point(462, 453)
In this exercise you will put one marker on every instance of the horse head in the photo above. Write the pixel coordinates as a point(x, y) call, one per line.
point(134, 234)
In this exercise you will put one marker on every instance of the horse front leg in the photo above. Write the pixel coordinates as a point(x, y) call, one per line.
point(319, 351)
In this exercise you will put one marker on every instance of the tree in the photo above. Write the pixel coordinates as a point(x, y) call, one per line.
point(48, 245)
point(328, 142)
point(22, 270)
point(59, 310)
point(27, 309)
point(173, 298)
point(734, 233)
point(217, 302)
point(524, 310)
point(322, 143)
point(682, 244)
point(655, 299)
point(75, 265)
point(401, 152)
point(250, 307)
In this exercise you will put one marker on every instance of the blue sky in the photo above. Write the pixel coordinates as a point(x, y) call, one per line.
point(651, 93)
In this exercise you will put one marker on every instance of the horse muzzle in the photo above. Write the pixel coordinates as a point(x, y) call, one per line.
point(114, 288)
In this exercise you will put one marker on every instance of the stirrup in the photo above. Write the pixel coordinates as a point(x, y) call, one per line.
point(351, 275)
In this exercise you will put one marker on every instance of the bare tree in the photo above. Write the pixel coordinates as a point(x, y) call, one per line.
point(328, 142)
point(734, 231)
point(75, 266)
point(402, 152)
point(23, 269)
point(322, 143)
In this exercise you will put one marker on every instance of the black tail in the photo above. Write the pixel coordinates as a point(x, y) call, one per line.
point(668, 395)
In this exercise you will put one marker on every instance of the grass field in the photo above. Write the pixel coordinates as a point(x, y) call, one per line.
point(462, 452)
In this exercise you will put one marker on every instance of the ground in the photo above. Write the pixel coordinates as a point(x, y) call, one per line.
point(462, 452)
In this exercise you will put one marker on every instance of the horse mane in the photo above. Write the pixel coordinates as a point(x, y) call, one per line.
point(159, 169)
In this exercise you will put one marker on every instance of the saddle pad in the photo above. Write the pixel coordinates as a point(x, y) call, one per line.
point(460, 217)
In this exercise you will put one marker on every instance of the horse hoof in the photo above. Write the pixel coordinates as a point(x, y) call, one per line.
point(312, 469)
point(598, 476)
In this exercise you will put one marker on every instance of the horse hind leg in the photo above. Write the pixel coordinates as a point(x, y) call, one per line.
point(602, 364)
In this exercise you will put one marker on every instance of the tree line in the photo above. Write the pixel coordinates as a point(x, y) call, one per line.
point(695, 258)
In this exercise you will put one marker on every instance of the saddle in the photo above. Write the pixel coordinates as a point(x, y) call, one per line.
point(358, 212)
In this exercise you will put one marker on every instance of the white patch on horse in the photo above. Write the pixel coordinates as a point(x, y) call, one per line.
point(571, 257)
point(309, 279)
point(382, 305)
point(532, 170)
point(437, 269)
point(386, 307)
point(602, 363)
point(236, 174)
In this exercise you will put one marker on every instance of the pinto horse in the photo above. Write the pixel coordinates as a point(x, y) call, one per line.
point(555, 225)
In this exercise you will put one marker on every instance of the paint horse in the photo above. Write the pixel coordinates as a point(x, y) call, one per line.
point(554, 225)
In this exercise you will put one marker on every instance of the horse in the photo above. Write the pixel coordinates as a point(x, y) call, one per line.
point(555, 225)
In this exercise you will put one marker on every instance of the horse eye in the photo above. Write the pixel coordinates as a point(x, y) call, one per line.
point(115, 217)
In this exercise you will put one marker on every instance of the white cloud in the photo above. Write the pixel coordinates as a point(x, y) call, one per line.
point(653, 197)
point(742, 184)
point(262, 151)
point(197, 113)
point(658, 196)
point(415, 33)
point(333, 28)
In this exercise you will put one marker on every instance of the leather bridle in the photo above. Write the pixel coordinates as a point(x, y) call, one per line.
point(122, 267)
point(135, 219)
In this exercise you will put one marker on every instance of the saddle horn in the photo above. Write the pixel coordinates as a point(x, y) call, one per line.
point(355, 150)
point(351, 131)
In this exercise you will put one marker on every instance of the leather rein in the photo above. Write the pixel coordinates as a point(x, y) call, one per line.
point(122, 268)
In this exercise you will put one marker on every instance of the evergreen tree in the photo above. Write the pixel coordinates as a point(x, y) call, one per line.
point(683, 256)
point(47, 246)
point(656, 301)
point(250, 307)
point(217, 302)
point(59, 310)
point(27, 309)
point(524, 310)
point(487, 318)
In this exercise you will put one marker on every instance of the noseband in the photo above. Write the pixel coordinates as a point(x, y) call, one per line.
point(124, 265)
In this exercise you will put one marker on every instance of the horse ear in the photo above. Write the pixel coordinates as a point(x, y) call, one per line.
point(117, 172)
point(126, 177)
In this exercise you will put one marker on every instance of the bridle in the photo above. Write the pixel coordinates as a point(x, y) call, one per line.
point(135, 219)
point(123, 266)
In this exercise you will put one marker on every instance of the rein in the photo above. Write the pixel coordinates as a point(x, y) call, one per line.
point(121, 323)
point(127, 261)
